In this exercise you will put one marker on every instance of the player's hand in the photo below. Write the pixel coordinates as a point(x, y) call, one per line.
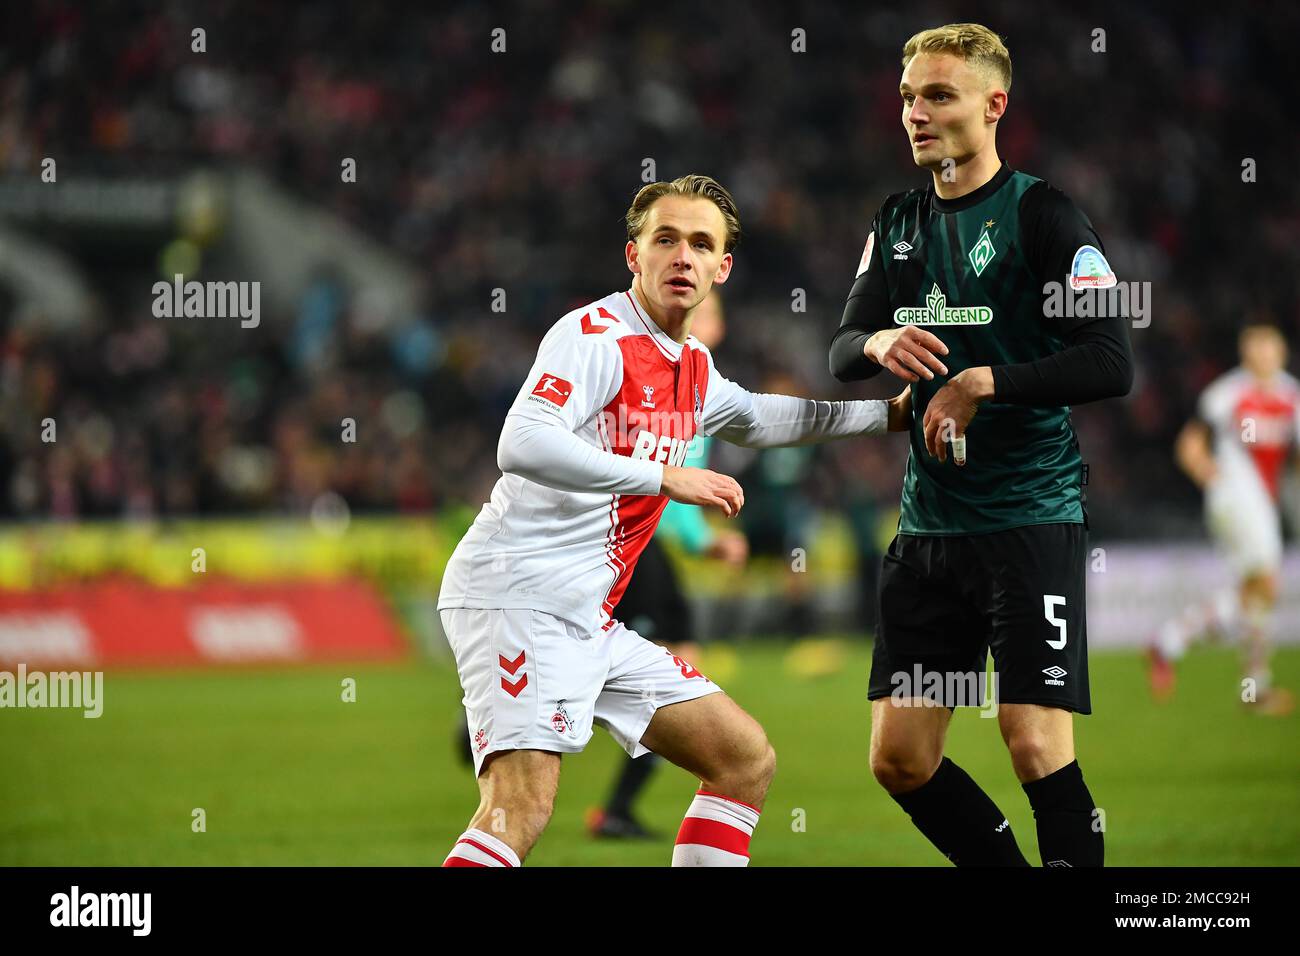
point(910, 353)
point(699, 486)
point(952, 408)
point(900, 411)
point(729, 546)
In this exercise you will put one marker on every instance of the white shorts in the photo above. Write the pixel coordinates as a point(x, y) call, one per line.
point(534, 681)
point(1246, 526)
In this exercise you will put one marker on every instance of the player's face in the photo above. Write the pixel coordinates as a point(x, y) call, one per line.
point(679, 254)
point(1263, 352)
point(946, 109)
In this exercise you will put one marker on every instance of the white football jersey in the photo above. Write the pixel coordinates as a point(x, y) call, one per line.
point(610, 375)
point(1255, 427)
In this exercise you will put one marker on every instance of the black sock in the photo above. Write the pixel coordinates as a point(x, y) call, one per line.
point(1068, 832)
point(958, 817)
point(630, 782)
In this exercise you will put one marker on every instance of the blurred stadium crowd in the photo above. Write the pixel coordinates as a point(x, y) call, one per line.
point(512, 170)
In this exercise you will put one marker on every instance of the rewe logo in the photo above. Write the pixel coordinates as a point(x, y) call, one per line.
point(938, 312)
point(662, 448)
point(102, 909)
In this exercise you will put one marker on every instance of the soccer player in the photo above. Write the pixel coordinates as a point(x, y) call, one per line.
point(591, 452)
point(991, 544)
point(1248, 421)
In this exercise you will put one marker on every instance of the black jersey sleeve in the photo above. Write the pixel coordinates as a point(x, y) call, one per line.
point(1097, 361)
point(867, 311)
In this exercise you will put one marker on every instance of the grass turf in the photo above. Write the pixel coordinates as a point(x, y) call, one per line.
point(288, 774)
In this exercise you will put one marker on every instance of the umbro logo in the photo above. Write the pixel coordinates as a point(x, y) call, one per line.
point(1054, 675)
point(901, 249)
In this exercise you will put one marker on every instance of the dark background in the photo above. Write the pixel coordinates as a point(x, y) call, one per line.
point(482, 170)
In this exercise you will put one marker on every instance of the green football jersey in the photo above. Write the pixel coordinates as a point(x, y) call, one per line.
point(972, 272)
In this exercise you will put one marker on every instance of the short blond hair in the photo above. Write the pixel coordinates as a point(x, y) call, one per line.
point(692, 186)
point(973, 42)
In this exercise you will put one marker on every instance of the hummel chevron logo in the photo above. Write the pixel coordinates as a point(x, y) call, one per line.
point(511, 666)
point(591, 328)
point(515, 689)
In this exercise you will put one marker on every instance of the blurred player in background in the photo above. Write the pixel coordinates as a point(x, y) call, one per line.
point(591, 451)
point(653, 604)
point(779, 517)
point(991, 546)
point(1235, 450)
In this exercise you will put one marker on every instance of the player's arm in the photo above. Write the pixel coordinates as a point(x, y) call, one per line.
point(1097, 360)
point(762, 420)
point(574, 377)
point(867, 340)
point(1193, 453)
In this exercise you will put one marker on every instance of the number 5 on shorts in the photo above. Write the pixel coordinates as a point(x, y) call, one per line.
point(1050, 602)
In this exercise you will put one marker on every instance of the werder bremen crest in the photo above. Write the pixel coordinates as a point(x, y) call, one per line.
point(938, 312)
point(983, 252)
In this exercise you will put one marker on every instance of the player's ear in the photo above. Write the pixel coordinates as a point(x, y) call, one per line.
point(724, 270)
point(630, 252)
point(995, 106)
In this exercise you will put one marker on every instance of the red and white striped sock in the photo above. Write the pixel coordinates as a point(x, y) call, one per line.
point(476, 848)
point(716, 832)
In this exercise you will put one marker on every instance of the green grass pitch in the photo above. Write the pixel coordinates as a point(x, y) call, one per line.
point(288, 774)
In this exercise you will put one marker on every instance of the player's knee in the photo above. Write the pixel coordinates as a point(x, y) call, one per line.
point(1031, 751)
point(899, 771)
point(747, 771)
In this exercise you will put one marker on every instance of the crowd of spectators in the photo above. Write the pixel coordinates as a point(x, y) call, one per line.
point(487, 168)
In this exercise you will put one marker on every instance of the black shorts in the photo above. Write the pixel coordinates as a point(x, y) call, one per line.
point(946, 601)
point(653, 604)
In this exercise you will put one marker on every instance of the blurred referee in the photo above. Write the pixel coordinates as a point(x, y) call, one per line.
point(952, 295)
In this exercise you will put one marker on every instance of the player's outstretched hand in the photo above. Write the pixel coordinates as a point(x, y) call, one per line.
point(910, 353)
point(699, 486)
point(900, 411)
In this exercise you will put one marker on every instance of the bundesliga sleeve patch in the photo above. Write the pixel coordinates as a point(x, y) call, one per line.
point(1090, 270)
point(553, 389)
point(865, 264)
